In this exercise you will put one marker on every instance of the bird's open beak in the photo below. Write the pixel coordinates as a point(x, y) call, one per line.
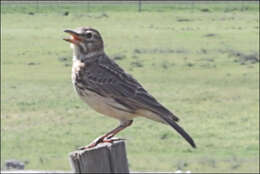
point(75, 37)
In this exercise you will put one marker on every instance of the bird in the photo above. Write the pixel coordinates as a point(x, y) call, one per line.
point(109, 89)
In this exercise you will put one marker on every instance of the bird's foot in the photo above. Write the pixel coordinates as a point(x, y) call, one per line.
point(92, 144)
point(100, 140)
point(111, 140)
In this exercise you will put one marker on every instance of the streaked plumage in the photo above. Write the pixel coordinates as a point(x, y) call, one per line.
point(108, 89)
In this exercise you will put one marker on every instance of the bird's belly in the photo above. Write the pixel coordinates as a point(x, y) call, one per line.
point(105, 105)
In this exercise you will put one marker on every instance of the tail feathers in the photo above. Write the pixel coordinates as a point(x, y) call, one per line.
point(166, 119)
point(161, 110)
point(180, 130)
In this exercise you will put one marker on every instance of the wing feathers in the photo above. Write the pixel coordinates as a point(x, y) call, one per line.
point(106, 78)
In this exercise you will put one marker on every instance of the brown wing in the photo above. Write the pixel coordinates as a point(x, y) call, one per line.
point(103, 76)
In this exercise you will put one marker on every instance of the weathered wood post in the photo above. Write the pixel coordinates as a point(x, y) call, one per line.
point(104, 158)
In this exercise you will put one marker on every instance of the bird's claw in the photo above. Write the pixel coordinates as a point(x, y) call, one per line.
point(92, 144)
point(111, 140)
point(100, 140)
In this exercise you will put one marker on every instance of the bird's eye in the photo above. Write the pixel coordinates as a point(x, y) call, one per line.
point(88, 35)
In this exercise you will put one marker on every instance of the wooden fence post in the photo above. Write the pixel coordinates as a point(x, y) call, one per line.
point(104, 158)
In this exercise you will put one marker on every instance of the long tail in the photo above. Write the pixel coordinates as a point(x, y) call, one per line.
point(149, 103)
point(180, 130)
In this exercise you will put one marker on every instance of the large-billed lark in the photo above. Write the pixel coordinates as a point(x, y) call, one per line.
point(109, 90)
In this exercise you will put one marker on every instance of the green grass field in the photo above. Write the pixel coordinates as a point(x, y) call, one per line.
point(203, 65)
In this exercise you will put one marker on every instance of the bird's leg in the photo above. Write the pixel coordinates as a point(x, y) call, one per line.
point(107, 137)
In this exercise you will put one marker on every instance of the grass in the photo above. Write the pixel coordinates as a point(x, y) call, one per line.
point(204, 66)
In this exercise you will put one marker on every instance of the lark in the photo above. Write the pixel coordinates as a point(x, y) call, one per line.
point(108, 89)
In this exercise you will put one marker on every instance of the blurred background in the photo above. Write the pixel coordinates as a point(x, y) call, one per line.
point(199, 59)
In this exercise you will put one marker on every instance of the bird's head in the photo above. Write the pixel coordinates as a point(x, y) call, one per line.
point(85, 42)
